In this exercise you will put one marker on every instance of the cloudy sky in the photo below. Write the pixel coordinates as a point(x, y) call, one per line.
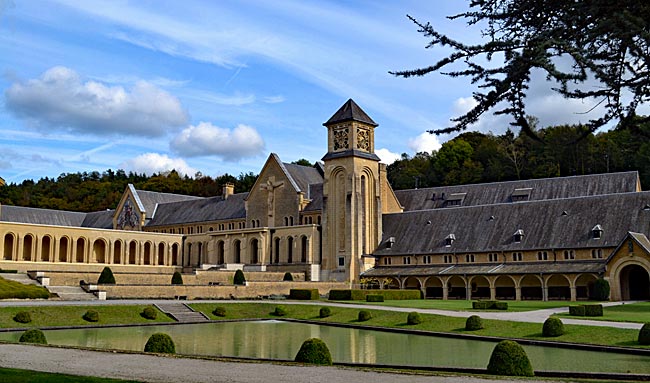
point(215, 86)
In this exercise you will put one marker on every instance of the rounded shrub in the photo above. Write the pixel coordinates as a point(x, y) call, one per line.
point(287, 277)
point(106, 277)
point(161, 343)
point(91, 316)
point(601, 290)
point(414, 318)
point(239, 278)
point(219, 311)
point(325, 312)
point(33, 336)
point(473, 323)
point(22, 317)
point(314, 351)
point(553, 327)
point(279, 311)
point(509, 358)
point(364, 315)
point(149, 313)
point(644, 334)
point(177, 278)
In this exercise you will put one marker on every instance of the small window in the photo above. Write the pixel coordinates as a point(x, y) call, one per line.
point(469, 258)
point(597, 253)
point(597, 232)
point(630, 246)
point(542, 256)
point(519, 235)
point(426, 259)
point(569, 254)
point(448, 259)
point(341, 261)
point(406, 260)
point(449, 240)
point(517, 257)
point(388, 261)
point(493, 257)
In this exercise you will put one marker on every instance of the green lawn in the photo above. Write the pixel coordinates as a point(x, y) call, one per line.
point(12, 289)
point(463, 305)
point(11, 375)
point(634, 312)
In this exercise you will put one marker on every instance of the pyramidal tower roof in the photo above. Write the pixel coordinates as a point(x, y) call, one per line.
point(350, 111)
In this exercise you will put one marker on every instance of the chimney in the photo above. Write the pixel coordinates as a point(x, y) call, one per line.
point(228, 190)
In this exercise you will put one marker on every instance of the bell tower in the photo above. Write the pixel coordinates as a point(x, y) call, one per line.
point(351, 194)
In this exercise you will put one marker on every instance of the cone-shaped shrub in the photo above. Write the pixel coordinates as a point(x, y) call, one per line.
point(149, 313)
point(364, 315)
point(314, 351)
point(644, 334)
point(33, 336)
point(22, 317)
point(287, 277)
point(473, 323)
point(219, 311)
point(413, 318)
point(91, 316)
point(601, 290)
point(325, 312)
point(509, 358)
point(553, 327)
point(106, 277)
point(239, 278)
point(160, 342)
point(177, 278)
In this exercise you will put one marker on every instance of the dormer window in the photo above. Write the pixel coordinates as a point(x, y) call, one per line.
point(450, 239)
point(455, 199)
point(390, 242)
point(521, 194)
point(518, 235)
point(597, 232)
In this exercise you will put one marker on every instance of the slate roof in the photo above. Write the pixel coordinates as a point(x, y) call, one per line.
point(303, 176)
point(548, 224)
point(316, 196)
point(19, 214)
point(542, 267)
point(150, 199)
point(502, 192)
point(350, 111)
point(200, 210)
point(99, 219)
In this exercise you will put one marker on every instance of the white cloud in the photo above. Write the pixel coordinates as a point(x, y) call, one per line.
point(425, 142)
point(60, 98)
point(386, 156)
point(206, 139)
point(274, 99)
point(150, 163)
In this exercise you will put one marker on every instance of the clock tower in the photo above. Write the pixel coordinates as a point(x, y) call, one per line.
point(351, 194)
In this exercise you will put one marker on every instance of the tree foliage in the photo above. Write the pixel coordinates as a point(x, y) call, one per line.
point(596, 51)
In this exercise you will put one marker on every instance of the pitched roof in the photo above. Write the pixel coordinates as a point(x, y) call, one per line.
point(490, 269)
point(548, 224)
point(535, 190)
point(99, 219)
point(303, 176)
point(150, 199)
point(316, 196)
point(19, 214)
point(200, 210)
point(350, 111)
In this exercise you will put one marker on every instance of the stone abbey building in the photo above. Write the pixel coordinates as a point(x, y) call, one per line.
point(341, 221)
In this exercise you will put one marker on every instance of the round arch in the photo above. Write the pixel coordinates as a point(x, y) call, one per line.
point(505, 287)
point(559, 287)
point(480, 287)
point(411, 283)
point(634, 282)
point(531, 287)
point(390, 283)
point(456, 287)
point(8, 246)
point(99, 250)
point(433, 288)
point(584, 284)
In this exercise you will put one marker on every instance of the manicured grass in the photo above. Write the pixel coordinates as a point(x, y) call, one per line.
point(438, 323)
point(464, 305)
point(633, 312)
point(44, 316)
point(11, 375)
point(12, 289)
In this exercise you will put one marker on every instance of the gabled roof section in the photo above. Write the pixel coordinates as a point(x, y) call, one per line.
point(350, 111)
point(200, 210)
point(303, 176)
point(19, 214)
point(316, 196)
point(99, 219)
point(147, 200)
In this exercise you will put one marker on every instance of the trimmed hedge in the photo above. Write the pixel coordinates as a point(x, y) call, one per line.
point(106, 277)
point(324, 312)
point(552, 327)
point(33, 336)
point(91, 316)
point(149, 313)
point(473, 323)
point(22, 317)
point(577, 311)
point(593, 310)
point(360, 295)
point(288, 277)
point(489, 305)
point(161, 343)
point(601, 290)
point(364, 315)
point(509, 358)
point(177, 278)
point(644, 335)
point(280, 311)
point(374, 298)
point(304, 294)
point(239, 278)
point(314, 351)
point(219, 311)
point(414, 318)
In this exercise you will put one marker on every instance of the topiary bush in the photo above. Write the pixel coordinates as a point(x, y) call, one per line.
point(288, 277)
point(577, 311)
point(279, 311)
point(509, 358)
point(601, 290)
point(304, 294)
point(374, 298)
point(360, 295)
point(325, 312)
point(593, 310)
point(413, 318)
point(106, 277)
point(161, 343)
point(177, 278)
point(91, 316)
point(22, 317)
point(364, 315)
point(644, 335)
point(314, 351)
point(33, 336)
point(552, 327)
point(149, 313)
point(239, 278)
point(473, 323)
point(219, 311)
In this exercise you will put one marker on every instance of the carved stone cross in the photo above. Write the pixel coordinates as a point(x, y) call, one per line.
point(270, 187)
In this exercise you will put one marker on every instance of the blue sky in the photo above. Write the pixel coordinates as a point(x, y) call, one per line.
point(215, 86)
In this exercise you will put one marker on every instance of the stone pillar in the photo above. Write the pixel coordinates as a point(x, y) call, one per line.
point(445, 292)
point(493, 293)
point(574, 294)
point(468, 291)
point(518, 293)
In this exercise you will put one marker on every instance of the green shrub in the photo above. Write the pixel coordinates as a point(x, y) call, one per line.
point(601, 290)
point(279, 311)
point(106, 277)
point(314, 351)
point(489, 305)
point(325, 312)
point(177, 278)
point(22, 317)
point(593, 310)
point(161, 343)
point(33, 336)
point(414, 318)
point(304, 294)
point(91, 316)
point(239, 278)
point(473, 323)
point(149, 313)
point(219, 311)
point(16, 290)
point(552, 327)
point(644, 334)
point(340, 295)
point(288, 277)
point(577, 311)
point(360, 295)
point(509, 358)
point(500, 305)
point(364, 315)
point(374, 298)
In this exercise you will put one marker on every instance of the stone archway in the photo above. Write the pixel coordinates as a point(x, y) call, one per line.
point(433, 288)
point(635, 283)
point(480, 287)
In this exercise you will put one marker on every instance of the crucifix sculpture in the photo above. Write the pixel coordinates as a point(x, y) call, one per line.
point(270, 187)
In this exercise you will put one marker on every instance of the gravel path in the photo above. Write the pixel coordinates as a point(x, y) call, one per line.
point(151, 368)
